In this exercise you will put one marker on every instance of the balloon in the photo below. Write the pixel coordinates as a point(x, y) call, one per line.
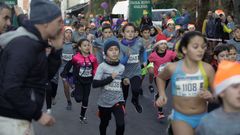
point(104, 5)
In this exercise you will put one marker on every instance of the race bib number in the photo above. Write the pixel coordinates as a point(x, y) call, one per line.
point(67, 57)
point(133, 58)
point(85, 72)
point(115, 85)
point(188, 86)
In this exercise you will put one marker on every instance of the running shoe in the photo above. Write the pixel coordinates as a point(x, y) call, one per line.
point(151, 89)
point(160, 115)
point(83, 120)
point(49, 111)
point(137, 106)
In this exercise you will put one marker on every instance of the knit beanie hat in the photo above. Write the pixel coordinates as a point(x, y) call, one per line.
point(43, 11)
point(109, 43)
point(228, 73)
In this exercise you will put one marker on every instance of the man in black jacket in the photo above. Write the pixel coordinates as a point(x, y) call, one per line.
point(23, 69)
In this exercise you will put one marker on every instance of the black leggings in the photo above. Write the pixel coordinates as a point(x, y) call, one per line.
point(82, 92)
point(157, 95)
point(51, 92)
point(135, 86)
point(105, 116)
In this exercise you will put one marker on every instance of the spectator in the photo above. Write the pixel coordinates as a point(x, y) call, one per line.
point(5, 16)
point(146, 20)
point(23, 69)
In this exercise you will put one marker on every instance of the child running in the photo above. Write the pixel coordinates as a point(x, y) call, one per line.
point(190, 78)
point(224, 120)
point(84, 68)
point(160, 57)
point(109, 78)
point(132, 49)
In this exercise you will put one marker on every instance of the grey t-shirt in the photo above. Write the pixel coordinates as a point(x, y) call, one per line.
point(133, 66)
point(111, 93)
point(219, 122)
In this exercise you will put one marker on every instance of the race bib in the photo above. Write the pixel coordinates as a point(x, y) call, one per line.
point(67, 57)
point(85, 72)
point(133, 58)
point(115, 85)
point(189, 86)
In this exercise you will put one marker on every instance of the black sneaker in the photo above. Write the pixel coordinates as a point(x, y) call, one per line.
point(137, 106)
point(83, 120)
point(151, 89)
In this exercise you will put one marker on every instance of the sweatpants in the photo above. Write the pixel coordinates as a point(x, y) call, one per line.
point(118, 111)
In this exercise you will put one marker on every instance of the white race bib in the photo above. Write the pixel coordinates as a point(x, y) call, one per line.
point(115, 85)
point(85, 72)
point(189, 86)
point(67, 57)
point(133, 58)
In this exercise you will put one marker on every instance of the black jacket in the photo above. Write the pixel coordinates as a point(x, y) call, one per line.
point(23, 75)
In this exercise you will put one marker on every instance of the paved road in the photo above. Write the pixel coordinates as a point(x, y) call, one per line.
point(67, 122)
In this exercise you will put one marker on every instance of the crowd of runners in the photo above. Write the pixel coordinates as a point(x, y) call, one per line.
point(115, 56)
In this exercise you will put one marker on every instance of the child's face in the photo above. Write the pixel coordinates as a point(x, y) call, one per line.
point(85, 47)
point(162, 47)
point(146, 34)
point(113, 53)
point(68, 35)
point(136, 34)
point(107, 33)
point(81, 30)
point(224, 55)
point(195, 49)
point(237, 34)
point(231, 97)
point(232, 55)
point(152, 31)
point(129, 33)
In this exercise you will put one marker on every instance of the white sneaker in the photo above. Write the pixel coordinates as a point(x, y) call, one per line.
point(49, 111)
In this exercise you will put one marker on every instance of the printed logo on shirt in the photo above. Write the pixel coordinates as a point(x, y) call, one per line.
point(133, 58)
point(67, 57)
point(85, 72)
point(115, 85)
point(189, 86)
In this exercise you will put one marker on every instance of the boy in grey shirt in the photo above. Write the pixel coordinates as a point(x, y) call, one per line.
point(224, 120)
point(109, 78)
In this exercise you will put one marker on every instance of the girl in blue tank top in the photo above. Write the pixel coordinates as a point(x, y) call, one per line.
point(190, 79)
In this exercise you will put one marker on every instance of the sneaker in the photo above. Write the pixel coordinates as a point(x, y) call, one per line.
point(53, 101)
point(151, 89)
point(160, 115)
point(137, 106)
point(69, 106)
point(83, 120)
point(49, 111)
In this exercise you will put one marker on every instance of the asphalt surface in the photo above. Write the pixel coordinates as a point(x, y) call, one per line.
point(67, 122)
